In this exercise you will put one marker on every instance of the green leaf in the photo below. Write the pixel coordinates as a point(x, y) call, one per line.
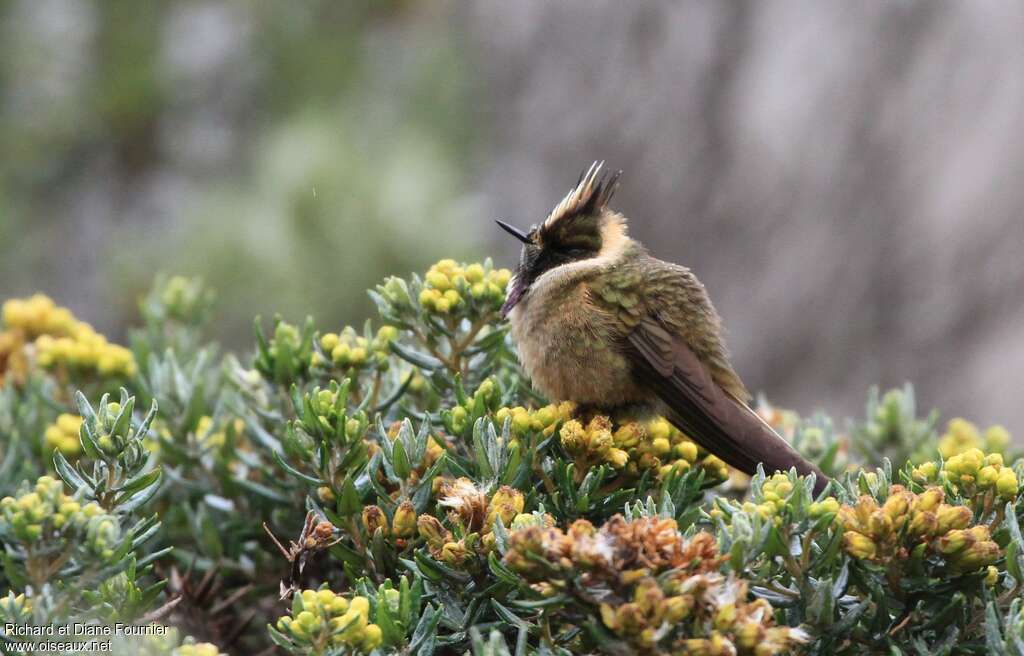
point(993, 636)
point(390, 629)
point(280, 639)
point(426, 628)
point(421, 360)
point(261, 490)
point(548, 602)
point(501, 572)
point(400, 460)
point(480, 454)
point(122, 423)
point(295, 472)
point(67, 472)
point(349, 504)
point(140, 482)
point(507, 615)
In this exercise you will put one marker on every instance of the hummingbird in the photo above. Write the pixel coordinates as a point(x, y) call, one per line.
point(599, 321)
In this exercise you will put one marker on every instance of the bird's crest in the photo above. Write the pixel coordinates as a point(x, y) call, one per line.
point(590, 195)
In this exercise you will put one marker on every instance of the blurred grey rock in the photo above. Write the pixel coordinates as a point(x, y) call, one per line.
point(843, 176)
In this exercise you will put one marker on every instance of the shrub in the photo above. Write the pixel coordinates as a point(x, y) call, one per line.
point(399, 488)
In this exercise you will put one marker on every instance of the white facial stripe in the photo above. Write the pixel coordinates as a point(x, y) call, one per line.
point(613, 241)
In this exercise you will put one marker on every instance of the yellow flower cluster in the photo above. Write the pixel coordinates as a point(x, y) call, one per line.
point(402, 525)
point(487, 397)
point(667, 593)
point(907, 525)
point(323, 619)
point(542, 420)
point(38, 315)
point(62, 435)
point(348, 349)
point(827, 506)
point(640, 618)
point(44, 512)
point(447, 284)
point(973, 472)
point(526, 520)
point(88, 350)
point(681, 454)
point(474, 513)
point(61, 339)
point(13, 360)
point(197, 649)
point(962, 436)
point(593, 443)
point(635, 447)
point(739, 627)
point(775, 493)
point(621, 551)
point(210, 436)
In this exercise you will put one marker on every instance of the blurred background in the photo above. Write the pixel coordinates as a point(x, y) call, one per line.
point(844, 177)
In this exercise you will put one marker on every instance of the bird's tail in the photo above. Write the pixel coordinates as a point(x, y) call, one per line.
point(746, 440)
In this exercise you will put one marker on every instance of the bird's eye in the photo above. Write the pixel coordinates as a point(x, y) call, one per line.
point(576, 253)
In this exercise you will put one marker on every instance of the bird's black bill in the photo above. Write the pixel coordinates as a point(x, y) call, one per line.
point(514, 231)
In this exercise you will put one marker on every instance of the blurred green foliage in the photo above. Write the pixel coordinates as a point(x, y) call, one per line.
point(282, 151)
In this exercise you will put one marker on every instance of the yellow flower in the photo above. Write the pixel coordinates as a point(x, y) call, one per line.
point(403, 524)
point(1006, 483)
point(63, 434)
point(858, 545)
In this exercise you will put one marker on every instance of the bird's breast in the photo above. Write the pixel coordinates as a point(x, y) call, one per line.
point(570, 348)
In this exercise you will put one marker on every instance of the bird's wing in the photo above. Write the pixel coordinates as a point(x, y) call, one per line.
point(699, 407)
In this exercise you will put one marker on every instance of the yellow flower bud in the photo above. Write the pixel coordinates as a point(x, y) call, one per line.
point(897, 504)
point(925, 472)
point(617, 458)
point(929, 500)
point(453, 553)
point(858, 545)
point(987, 476)
point(431, 530)
point(358, 355)
point(500, 277)
point(953, 541)
point(923, 524)
point(952, 517)
point(997, 438)
point(403, 524)
point(1007, 484)
point(686, 450)
point(453, 297)
point(478, 290)
point(373, 519)
point(976, 555)
point(474, 273)
point(329, 341)
point(438, 280)
point(372, 637)
point(573, 436)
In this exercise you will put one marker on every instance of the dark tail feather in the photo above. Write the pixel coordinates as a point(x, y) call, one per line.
point(743, 440)
point(708, 414)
